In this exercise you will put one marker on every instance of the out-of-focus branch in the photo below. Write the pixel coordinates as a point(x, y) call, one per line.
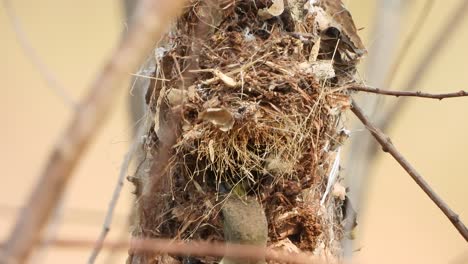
point(386, 27)
point(387, 146)
point(368, 89)
point(151, 19)
point(432, 52)
point(383, 44)
point(52, 80)
point(197, 248)
point(129, 7)
point(408, 42)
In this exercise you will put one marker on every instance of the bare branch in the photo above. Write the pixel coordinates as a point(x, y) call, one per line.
point(387, 146)
point(369, 89)
point(115, 197)
point(152, 18)
point(364, 150)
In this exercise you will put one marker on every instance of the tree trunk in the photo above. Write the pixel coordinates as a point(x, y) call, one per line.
point(244, 128)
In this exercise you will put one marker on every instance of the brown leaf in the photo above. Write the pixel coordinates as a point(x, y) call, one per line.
point(339, 191)
point(230, 82)
point(276, 9)
point(220, 117)
point(336, 15)
point(176, 96)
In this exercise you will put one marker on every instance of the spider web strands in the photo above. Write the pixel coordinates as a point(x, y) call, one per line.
point(151, 20)
point(387, 146)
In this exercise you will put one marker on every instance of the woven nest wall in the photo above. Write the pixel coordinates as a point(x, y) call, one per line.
point(246, 102)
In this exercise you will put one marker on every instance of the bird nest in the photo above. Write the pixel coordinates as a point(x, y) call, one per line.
point(246, 101)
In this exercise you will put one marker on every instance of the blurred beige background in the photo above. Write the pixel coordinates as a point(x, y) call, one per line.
point(398, 223)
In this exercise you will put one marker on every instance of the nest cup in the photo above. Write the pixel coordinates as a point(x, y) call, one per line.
point(246, 102)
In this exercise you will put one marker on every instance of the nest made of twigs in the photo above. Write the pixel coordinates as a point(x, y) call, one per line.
point(259, 108)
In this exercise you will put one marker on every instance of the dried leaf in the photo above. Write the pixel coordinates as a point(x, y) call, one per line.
point(186, 127)
point(157, 115)
point(341, 102)
point(211, 149)
point(279, 165)
point(315, 50)
point(339, 191)
point(198, 187)
point(191, 92)
point(332, 13)
point(286, 245)
point(176, 96)
point(178, 213)
point(212, 103)
point(278, 68)
point(219, 117)
point(276, 9)
point(230, 82)
point(192, 134)
point(323, 70)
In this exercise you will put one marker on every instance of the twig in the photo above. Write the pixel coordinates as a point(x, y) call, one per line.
point(112, 255)
point(32, 55)
point(416, 30)
point(196, 248)
point(365, 149)
point(430, 55)
point(368, 89)
point(152, 18)
point(387, 146)
point(115, 197)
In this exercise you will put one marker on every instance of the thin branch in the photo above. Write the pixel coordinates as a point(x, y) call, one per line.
point(364, 149)
point(369, 89)
point(434, 50)
point(152, 18)
point(115, 198)
point(387, 146)
point(197, 248)
point(112, 255)
point(31, 54)
point(408, 42)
